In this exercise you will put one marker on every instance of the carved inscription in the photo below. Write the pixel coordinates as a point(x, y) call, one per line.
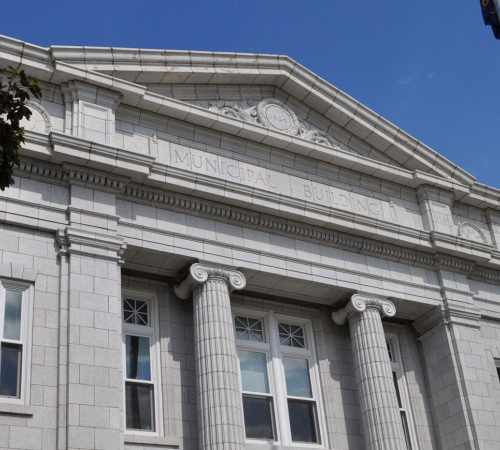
point(278, 117)
point(283, 184)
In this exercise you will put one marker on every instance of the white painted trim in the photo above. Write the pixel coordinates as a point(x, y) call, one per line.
point(153, 332)
point(276, 375)
point(26, 337)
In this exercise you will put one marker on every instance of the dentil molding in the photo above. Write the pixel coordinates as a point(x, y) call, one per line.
point(71, 174)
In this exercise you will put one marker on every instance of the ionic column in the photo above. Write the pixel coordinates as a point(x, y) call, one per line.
point(220, 415)
point(382, 426)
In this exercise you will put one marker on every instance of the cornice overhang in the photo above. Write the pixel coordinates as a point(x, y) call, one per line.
point(94, 64)
point(263, 210)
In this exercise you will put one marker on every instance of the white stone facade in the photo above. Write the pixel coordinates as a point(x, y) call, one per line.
point(215, 212)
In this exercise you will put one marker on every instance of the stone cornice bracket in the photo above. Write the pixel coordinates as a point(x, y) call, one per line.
point(200, 273)
point(78, 90)
point(91, 244)
point(359, 303)
point(445, 315)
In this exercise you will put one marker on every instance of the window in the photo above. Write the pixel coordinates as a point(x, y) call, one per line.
point(401, 393)
point(497, 365)
point(141, 363)
point(280, 394)
point(15, 332)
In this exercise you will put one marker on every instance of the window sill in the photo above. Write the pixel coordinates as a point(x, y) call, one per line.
point(16, 408)
point(274, 446)
point(167, 441)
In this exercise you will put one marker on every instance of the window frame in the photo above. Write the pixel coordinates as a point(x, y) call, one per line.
point(497, 368)
point(25, 340)
point(276, 374)
point(397, 366)
point(151, 331)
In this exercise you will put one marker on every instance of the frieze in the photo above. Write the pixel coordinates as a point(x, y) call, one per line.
point(285, 185)
point(170, 200)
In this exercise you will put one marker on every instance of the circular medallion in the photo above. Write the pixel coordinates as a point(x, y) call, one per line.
point(272, 113)
point(278, 117)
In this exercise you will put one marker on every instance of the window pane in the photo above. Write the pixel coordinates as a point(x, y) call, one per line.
point(404, 421)
point(302, 421)
point(139, 406)
point(396, 386)
point(249, 329)
point(258, 417)
point(12, 325)
point(135, 312)
point(298, 383)
point(138, 358)
point(389, 350)
point(253, 367)
point(10, 370)
point(291, 335)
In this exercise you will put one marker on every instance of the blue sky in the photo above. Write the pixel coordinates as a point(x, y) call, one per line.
point(429, 67)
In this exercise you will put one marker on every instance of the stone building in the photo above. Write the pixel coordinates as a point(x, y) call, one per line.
point(223, 251)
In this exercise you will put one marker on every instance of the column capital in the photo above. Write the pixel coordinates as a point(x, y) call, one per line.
point(359, 303)
point(199, 273)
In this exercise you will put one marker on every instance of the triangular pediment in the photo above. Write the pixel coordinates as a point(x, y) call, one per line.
point(328, 116)
point(218, 83)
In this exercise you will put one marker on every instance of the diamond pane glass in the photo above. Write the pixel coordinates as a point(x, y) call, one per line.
point(10, 370)
point(139, 407)
point(291, 335)
point(249, 329)
point(302, 421)
point(135, 312)
point(258, 417)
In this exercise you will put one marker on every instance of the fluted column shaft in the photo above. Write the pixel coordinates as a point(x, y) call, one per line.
point(220, 415)
point(382, 427)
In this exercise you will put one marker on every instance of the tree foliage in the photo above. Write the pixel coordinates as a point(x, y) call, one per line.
point(15, 90)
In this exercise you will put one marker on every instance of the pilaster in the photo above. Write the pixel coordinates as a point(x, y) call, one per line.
point(90, 111)
point(382, 427)
point(435, 207)
point(493, 218)
point(90, 375)
point(220, 416)
point(465, 410)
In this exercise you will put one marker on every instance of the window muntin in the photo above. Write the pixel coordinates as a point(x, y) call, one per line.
point(136, 311)
point(142, 395)
point(15, 333)
point(280, 404)
point(249, 329)
point(401, 394)
point(291, 335)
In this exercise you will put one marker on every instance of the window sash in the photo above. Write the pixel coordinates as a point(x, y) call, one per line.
point(24, 373)
point(150, 331)
point(276, 374)
point(401, 392)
